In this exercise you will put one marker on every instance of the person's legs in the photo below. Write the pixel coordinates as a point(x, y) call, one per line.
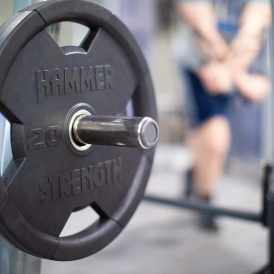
point(209, 139)
point(210, 144)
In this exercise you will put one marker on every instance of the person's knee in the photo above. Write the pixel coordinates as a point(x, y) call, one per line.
point(216, 137)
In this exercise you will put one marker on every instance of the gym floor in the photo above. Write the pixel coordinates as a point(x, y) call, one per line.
point(161, 240)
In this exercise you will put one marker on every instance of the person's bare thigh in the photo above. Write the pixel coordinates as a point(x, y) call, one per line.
point(213, 136)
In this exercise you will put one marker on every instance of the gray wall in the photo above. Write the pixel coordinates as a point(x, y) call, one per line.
point(6, 10)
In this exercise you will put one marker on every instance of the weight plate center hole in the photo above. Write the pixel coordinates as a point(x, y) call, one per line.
point(75, 140)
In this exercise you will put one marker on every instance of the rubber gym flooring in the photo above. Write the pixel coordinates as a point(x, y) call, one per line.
point(165, 240)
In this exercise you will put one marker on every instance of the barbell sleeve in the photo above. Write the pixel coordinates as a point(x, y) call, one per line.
point(116, 131)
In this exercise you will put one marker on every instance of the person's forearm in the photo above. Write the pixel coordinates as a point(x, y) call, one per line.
point(255, 18)
point(242, 61)
point(219, 79)
point(248, 42)
point(244, 49)
point(254, 87)
point(200, 16)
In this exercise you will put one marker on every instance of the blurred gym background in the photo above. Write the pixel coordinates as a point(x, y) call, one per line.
point(161, 239)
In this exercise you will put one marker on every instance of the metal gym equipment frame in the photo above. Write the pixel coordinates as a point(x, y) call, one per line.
point(264, 217)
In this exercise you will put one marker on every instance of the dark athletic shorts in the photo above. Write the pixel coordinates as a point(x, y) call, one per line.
point(200, 105)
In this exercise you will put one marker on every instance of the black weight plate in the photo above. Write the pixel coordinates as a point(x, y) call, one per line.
point(41, 87)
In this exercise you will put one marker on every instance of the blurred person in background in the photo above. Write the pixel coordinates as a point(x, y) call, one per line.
point(226, 47)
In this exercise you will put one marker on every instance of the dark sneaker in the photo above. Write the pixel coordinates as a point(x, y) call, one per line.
point(189, 184)
point(208, 220)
